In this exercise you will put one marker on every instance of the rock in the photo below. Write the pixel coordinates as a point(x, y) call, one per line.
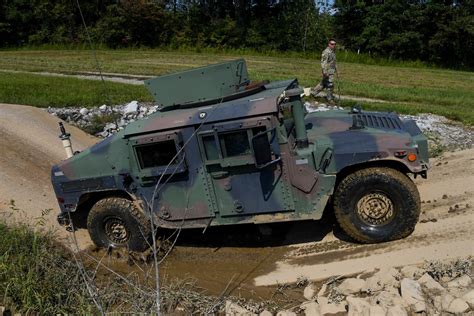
point(454, 305)
point(437, 302)
point(372, 284)
point(286, 313)
point(153, 109)
point(110, 126)
point(322, 291)
point(357, 306)
point(103, 108)
point(132, 107)
point(265, 313)
point(462, 281)
point(122, 123)
point(412, 294)
point(396, 310)
point(351, 286)
point(388, 299)
point(84, 111)
point(104, 134)
point(309, 292)
point(311, 309)
point(330, 309)
point(232, 308)
point(446, 300)
point(76, 116)
point(389, 276)
point(429, 283)
point(412, 272)
point(469, 298)
point(383, 279)
point(376, 310)
point(129, 116)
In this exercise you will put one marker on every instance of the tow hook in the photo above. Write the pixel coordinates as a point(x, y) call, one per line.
point(63, 220)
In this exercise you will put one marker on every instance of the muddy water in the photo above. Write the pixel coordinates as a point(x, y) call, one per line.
point(224, 270)
point(224, 260)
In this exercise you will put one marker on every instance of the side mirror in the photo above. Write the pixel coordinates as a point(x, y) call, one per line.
point(262, 150)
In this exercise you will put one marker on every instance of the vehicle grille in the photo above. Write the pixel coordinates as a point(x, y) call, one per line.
point(379, 121)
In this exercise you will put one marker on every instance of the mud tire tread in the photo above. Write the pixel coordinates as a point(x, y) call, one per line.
point(407, 204)
point(138, 224)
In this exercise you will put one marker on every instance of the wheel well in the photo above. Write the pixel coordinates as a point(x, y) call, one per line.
point(87, 200)
point(369, 164)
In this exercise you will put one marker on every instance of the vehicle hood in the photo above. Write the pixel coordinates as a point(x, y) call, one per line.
point(365, 136)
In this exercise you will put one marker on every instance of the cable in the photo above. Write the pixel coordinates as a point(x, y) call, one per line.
point(338, 89)
point(94, 54)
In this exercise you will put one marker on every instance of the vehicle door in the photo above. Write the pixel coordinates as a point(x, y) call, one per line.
point(171, 178)
point(242, 186)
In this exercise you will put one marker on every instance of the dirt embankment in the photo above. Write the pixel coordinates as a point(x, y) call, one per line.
point(246, 258)
point(29, 146)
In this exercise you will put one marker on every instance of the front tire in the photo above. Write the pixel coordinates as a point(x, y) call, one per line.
point(376, 205)
point(117, 222)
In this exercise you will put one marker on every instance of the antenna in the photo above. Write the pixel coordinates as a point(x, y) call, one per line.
point(65, 137)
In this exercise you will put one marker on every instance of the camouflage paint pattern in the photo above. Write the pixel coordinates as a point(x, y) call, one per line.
point(328, 69)
point(198, 190)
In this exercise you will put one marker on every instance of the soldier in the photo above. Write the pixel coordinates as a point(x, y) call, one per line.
point(328, 67)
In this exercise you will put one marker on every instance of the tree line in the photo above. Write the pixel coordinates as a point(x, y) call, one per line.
point(435, 31)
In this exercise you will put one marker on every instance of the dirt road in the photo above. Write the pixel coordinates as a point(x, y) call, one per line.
point(246, 258)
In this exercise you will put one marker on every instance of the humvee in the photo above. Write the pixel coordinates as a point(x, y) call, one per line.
point(224, 150)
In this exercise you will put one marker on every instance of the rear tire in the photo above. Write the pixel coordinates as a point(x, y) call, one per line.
point(117, 222)
point(377, 204)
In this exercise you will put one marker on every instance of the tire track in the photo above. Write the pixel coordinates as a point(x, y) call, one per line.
point(444, 231)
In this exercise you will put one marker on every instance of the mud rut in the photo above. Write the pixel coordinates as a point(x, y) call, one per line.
point(247, 260)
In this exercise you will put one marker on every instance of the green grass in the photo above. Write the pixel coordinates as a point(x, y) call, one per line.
point(343, 56)
point(44, 91)
point(36, 276)
point(413, 87)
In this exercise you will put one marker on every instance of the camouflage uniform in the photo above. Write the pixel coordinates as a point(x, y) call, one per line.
point(328, 67)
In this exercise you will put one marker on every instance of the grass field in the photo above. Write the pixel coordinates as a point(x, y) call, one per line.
point(408, 89)
point(44, 91)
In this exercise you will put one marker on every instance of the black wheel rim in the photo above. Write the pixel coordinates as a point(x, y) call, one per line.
point(375, 208)
point(116, 231)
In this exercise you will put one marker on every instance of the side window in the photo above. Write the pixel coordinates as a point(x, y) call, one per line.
point(156, 154)
point(229, 144)
point(235, 144)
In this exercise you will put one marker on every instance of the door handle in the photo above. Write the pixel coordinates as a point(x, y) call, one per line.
point(219, 174)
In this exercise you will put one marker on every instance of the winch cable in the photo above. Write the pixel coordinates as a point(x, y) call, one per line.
point(94, 54)
point(338, 83)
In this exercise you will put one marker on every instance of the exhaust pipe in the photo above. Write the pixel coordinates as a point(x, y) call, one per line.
point(297, 109)
point(66, 139)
